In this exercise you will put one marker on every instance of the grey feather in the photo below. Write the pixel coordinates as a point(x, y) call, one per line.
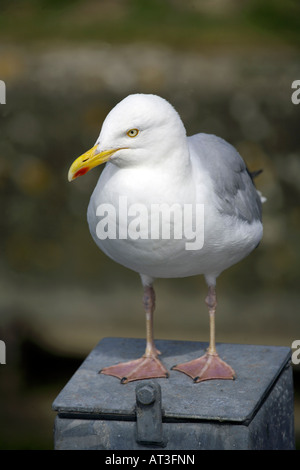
point(233, 183)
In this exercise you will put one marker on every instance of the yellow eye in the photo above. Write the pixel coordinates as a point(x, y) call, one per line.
point(132, 132)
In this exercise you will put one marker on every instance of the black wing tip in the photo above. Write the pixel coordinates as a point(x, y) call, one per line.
point(254, 174)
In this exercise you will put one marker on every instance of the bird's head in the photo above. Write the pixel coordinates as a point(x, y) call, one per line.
point(140, 130)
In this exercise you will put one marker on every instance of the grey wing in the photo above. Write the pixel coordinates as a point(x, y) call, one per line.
point(232, 182)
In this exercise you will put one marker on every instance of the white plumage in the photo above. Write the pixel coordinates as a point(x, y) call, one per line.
point(151, 162)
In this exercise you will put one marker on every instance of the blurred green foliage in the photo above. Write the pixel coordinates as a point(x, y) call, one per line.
point(191, 24)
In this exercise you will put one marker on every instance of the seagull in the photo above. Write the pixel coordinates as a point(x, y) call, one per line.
point(168, 205)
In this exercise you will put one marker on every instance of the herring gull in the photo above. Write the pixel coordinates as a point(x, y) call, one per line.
point(169, 206)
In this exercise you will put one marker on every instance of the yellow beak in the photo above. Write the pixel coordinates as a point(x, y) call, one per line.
point(87, 161)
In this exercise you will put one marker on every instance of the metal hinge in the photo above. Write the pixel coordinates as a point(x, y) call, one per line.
point(149, 414)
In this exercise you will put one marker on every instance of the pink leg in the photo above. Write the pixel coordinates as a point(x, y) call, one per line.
point(148, 366)
point(209, 366)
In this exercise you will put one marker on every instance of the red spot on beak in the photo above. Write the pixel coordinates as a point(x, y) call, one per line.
point(81, 172)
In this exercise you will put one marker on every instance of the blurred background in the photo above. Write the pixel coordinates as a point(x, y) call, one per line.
point(227, 67)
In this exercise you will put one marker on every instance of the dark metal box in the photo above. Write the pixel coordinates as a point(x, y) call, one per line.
point(255, 411)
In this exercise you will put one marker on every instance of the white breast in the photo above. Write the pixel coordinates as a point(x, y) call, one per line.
point(225, 240)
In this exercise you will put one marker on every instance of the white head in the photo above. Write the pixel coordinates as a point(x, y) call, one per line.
point(140, 130)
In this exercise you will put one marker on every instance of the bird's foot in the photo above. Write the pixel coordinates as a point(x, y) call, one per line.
point(147, 367)
point(206, 367)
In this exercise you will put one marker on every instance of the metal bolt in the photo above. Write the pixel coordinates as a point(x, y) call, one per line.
point(146, 394)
